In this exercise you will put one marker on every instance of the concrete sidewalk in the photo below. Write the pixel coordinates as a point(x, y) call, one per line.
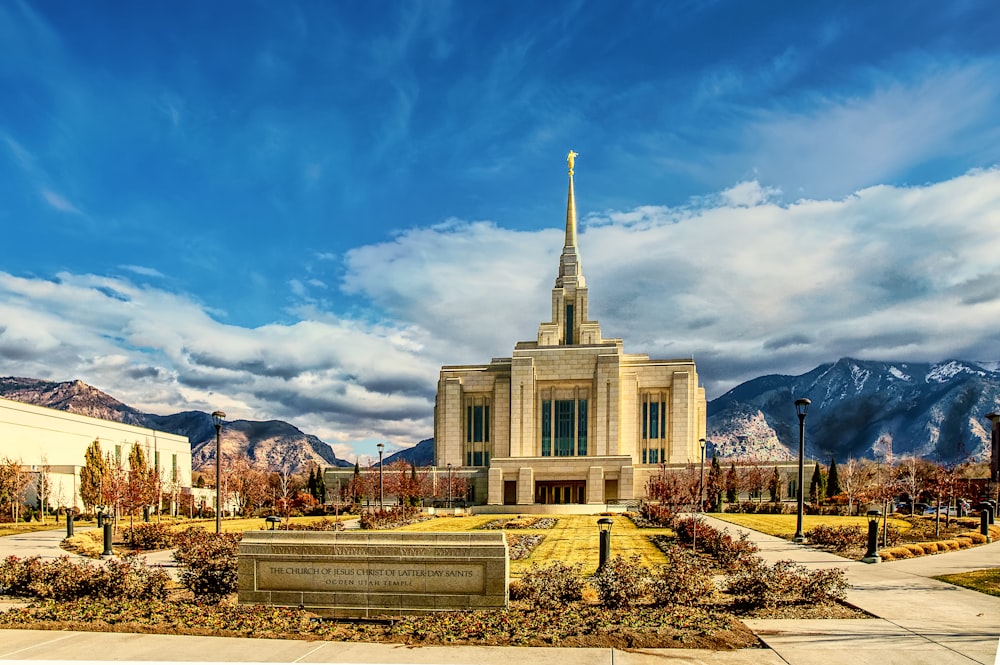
point(920, 620)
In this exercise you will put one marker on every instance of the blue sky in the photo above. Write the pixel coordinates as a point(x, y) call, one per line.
point(298, 210)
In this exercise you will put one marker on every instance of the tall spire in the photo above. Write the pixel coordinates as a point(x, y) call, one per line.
point(569, 262)
point(571, 204)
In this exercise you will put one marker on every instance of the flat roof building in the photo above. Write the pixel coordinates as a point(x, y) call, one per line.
point(41, 438)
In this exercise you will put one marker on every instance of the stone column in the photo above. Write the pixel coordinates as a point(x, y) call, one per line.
point(495, 486)
point(525, 486)
point(595, 485)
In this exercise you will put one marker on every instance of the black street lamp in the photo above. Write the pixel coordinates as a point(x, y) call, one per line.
point(381, 496)
point(449, 484)
point(219, 417)
point(995, 450)
point(871, 556)
point(701, 484)
point(604, 525)
point(801, 407)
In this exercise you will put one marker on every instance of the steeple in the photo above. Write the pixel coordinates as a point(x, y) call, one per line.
point(570, 325)
point(570, 269)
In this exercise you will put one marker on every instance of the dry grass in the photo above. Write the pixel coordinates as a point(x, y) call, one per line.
point(574, 539)
point(783, 526)
point(983, 581)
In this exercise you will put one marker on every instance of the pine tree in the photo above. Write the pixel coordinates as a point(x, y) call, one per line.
point(311, 483)
point(731, 492)
point(714, 486)
point(832, 480)
point(320, 485)
point(775, 486)
point(817, 486)
point(357, 482)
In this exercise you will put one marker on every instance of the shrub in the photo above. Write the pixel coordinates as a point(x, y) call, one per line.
point(839, 538)
point(552, 586)
point(325, 524)
point(388, 518)
point(758, 584)
point(66, 579)
point(658, 515)
point(150, 536)
point(686, 527)
point(893, 553)
point(682, 581)
point(621, 583)
point(963, 543)
point(976, 537)
point(915, 550)
point(209, 560)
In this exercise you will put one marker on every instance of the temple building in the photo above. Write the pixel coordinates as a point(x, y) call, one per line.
point(570, 417)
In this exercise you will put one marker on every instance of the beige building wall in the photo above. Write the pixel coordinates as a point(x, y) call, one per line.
point(620, 415)
point(38, 437)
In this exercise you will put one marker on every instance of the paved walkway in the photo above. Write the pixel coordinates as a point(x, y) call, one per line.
point(920, 620)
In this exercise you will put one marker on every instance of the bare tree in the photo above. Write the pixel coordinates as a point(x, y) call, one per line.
point(855, 479)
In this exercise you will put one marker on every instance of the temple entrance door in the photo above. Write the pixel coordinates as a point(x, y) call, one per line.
point(560, 491)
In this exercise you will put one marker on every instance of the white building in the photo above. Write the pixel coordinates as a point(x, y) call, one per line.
point(55, 441)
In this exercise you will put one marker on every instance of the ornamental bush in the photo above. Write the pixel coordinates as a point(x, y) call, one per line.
point(621, 583)
point(209, 561)
point(552, 586)
point(839, 538)
point(682, 581)
point(67, 579)
point(150, 536)
point(758, 584)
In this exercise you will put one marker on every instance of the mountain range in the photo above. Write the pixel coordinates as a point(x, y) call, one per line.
point(862, 408)
point(859, 408)
point(273, 444)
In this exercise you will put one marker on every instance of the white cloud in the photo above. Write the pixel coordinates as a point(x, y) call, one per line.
point(888, 273)
point(59, 202)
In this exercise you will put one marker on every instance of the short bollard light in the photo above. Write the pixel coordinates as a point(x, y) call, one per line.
point(69, 524)
point(107, 537)
point(993, 511)
point(984, 523)
point(871, 556)
point(604, 524)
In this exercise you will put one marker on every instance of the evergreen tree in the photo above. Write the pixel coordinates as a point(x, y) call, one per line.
point(92, 475)
point(357, 482)
point(320, 485)
point(817, 486)
point(311, 483)
point(731, 493)
point(714, 485)
point(832, 480)
point(775, 486)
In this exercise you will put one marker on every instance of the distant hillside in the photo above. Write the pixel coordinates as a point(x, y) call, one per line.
point(421, 454)
point(859, 409)
point(275, 444)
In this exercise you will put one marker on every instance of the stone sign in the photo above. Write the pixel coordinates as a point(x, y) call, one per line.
point(367, 574)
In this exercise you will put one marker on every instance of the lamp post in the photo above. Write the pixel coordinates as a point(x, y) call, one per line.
point(381, 496)
point(701, 484)
point(449, 484)
point(218, 417)
point(801, 407)
point(871, 556)
point(995, 451)
point(604, 525)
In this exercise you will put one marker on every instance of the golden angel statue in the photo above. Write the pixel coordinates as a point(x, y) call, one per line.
point(571, 160)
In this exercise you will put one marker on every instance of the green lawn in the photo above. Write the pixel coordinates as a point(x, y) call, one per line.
point(783, 526)
point(574, 539)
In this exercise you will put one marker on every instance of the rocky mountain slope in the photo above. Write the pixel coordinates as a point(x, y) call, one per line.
point(862, 408)
point(274, 444)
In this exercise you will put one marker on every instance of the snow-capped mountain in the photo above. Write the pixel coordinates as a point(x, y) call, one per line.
point(862, 408)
